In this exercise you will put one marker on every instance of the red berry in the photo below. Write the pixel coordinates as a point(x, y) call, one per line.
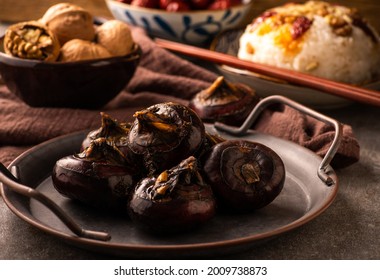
point(223, 4)
point(164, 4)
point(125, 1)
point(145, 3)
point(200, 4)
point(177, 5)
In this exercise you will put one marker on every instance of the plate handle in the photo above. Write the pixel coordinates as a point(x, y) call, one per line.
point(324, 167)
point(8, 179)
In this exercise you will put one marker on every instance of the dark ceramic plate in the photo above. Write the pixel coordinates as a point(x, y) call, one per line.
point(303, 198)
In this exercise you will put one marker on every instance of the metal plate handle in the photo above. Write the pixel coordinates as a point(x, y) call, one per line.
point(324, 167)
point(8, 179)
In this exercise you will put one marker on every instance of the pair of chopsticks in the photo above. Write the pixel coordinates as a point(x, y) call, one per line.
point(347, 91)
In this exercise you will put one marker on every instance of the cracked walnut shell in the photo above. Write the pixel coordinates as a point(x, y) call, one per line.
point(31, 40)
point(68, 21)
point(77, 49)
point(116, 37)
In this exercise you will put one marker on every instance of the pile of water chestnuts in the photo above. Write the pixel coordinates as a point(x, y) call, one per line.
point(166, 172)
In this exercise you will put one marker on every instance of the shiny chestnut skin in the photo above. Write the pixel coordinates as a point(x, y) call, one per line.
point(209, 141)
point(175, 201)
point(100, 176)
point(116, 134)
point(110, 129)
point(225, 102)
point(244, 175)
point(164, 134)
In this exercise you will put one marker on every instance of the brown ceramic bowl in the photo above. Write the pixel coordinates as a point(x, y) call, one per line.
point(84, 84)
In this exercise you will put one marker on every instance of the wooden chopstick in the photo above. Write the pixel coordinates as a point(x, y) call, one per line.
point(351, 92)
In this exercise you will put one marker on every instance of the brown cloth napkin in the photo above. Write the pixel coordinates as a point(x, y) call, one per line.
point(160, 77)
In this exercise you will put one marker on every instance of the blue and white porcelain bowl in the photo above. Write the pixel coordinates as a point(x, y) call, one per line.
point(196, 27)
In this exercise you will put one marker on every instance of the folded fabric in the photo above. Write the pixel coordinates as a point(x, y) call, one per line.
point(160, 77)
point(287, 123)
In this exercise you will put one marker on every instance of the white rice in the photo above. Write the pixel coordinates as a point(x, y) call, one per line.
point(351, 59)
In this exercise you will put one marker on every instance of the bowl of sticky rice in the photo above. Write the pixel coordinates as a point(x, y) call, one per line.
point(326, 40)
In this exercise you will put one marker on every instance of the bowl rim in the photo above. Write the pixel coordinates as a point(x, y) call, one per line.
point(181, 13)
point(16, 61)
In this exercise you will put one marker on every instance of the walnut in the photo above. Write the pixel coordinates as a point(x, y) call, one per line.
point(116, 37)
point(31, 40)
point(69, 22)
point(78, 49)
